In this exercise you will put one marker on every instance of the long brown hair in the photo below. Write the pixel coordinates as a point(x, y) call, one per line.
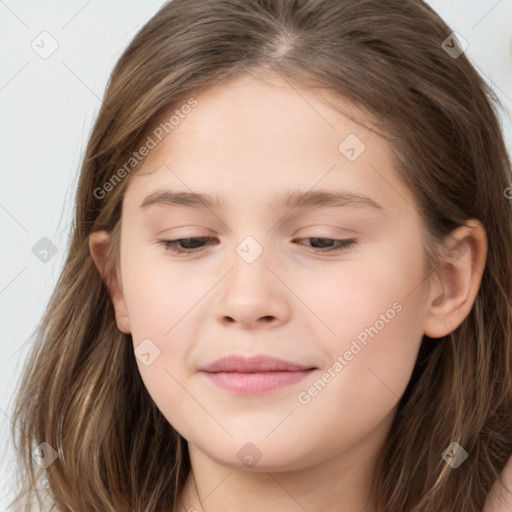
point(81, 391)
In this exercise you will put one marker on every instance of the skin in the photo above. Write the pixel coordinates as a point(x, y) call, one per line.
point(291, 302)
point(500, 497)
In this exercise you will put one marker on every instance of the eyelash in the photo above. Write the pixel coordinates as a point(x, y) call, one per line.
point(172, 245)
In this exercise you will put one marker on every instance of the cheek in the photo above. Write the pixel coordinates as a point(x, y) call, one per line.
point(361, 298)
point(161, 321)
point(362, 384)
point(368, 364)
point(160, 293)
point(162, 302)
point(374, 315)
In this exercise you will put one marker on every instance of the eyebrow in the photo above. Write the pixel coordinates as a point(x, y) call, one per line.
point(294, 199)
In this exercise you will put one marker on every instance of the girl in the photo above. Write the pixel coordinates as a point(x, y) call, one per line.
point(289, 283)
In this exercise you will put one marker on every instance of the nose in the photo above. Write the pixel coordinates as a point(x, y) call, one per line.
point(252, 295)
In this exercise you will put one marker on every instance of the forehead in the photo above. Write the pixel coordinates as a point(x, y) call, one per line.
point(266, 113)
point(258, 137)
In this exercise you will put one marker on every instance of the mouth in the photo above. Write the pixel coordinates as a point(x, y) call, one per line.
point(254, 375)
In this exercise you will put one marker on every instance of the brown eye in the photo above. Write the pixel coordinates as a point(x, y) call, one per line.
point(185, 245)
point(323, 245)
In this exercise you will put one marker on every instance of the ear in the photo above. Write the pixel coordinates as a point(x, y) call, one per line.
point(452, 295)
point(98, 246)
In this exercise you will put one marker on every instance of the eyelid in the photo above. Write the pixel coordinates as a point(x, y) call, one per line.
point(186, 228)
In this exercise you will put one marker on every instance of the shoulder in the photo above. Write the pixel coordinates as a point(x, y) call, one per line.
point(500, 498)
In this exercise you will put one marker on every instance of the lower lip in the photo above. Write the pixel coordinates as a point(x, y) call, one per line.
point(256, 383)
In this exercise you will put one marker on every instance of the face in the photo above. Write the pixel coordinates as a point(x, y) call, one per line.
point(332, 285)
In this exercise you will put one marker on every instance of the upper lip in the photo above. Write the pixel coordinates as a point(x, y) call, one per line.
point(253, 364)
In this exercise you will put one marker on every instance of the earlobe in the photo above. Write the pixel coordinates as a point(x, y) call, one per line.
point(464, 253)
point(98, 247)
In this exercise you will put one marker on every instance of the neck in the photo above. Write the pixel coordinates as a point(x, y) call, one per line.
point(339, 482)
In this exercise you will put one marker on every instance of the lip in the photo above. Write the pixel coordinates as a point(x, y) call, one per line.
point(253, 364)
point(254, 375)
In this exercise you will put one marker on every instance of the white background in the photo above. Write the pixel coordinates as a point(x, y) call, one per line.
point(47, 107)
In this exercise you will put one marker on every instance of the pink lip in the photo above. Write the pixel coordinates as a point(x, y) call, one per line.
point(254, 375)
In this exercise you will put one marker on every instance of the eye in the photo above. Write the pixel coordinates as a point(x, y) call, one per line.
point(323, 243)
point(190, 244)
point(196, 244)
